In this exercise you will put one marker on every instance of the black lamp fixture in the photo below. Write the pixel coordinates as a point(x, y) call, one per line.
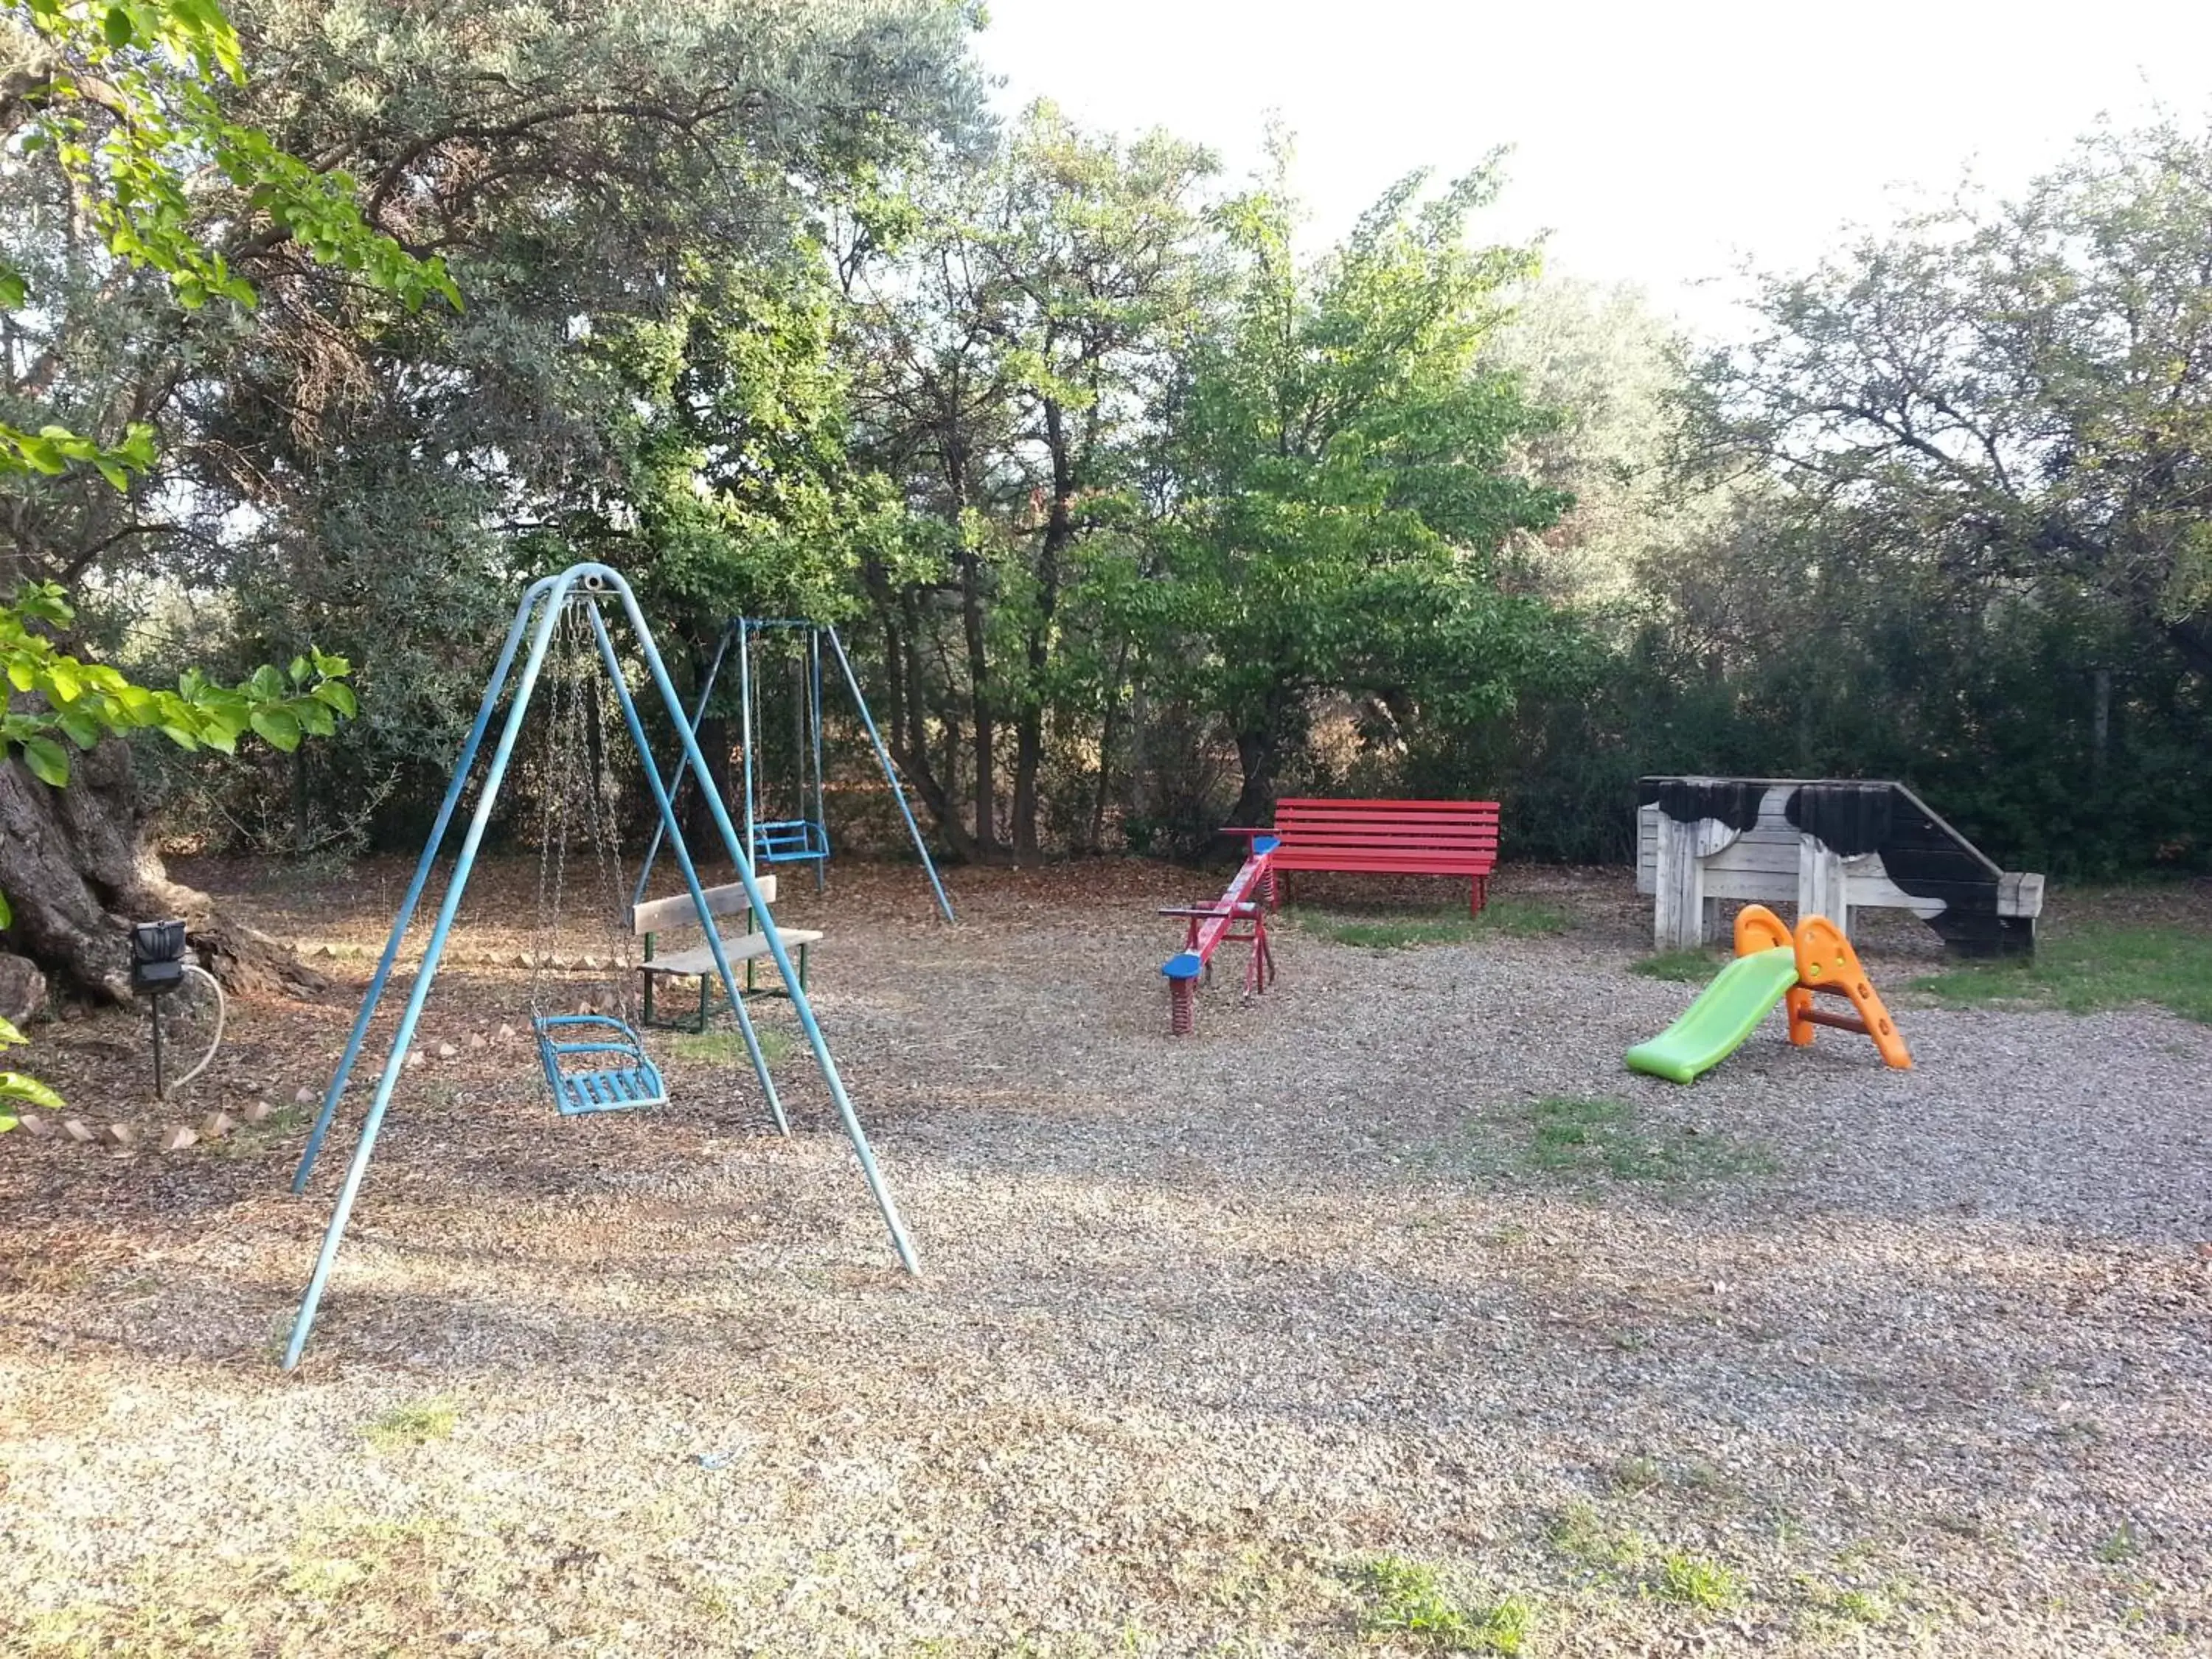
point(157, 968)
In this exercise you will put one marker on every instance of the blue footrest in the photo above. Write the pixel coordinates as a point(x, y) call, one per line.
point(614, 1076)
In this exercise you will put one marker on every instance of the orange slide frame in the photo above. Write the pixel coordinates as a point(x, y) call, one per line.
point(1826, 966)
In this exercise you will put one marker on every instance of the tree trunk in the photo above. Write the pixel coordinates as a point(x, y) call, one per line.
point(78, 871)
point(1257, 753)
point(981, 697)
point(911, 751)
point(1104, 792)
point(1029, 725)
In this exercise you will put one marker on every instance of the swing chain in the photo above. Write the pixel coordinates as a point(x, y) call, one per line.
point(570, 772)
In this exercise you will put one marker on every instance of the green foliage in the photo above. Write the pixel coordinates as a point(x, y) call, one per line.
point(2090, 966)
point(15, 1088)
point(2117, 1546)
point(122, 98)
point(1697, 1581)
point(1580, 1532)
point(84, 702)
point(1409, 1597)
point(1986, 504)
point(1516, 918)
point(1019, 331)
point(728, 1048)
point(413, 1424)
point(1348, 492)
point(1603, 1137)
point(738, 497)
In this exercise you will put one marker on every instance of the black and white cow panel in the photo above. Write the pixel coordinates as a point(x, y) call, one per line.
point(1827, 846)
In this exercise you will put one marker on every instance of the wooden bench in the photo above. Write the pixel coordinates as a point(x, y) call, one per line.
point(1391, 837)
point(649, 921)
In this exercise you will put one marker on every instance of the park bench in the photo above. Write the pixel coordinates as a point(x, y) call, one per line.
point(649, 921)
point(1390, 837)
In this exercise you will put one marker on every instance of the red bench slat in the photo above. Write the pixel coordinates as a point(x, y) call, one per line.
point(1390, 837)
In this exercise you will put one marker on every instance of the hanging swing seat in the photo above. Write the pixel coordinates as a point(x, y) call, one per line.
point(790, 841)
point(596, 1063)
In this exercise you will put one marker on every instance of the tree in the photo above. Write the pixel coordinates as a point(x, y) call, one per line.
point(1346, 489)
point(1611, 374)
point(732, 491)
point(1979, 455)
point(115, 104)
point(341, 467)
point(2021, 390)
point(1019, 344)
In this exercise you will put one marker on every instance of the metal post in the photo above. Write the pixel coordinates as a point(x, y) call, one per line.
point(401, 922)
point(782, 957)
point(743, 697)
point(548, 598)
point(890, 772)
point(676, 782)
point(663, 801)
point(814, 722)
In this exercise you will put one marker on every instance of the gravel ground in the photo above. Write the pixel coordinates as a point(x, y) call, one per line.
point(1396, 1265)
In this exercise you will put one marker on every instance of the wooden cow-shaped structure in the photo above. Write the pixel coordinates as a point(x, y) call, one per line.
point(1828, 846)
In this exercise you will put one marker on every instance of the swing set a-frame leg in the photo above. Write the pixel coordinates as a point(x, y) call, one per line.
point(742, 861)
point(400, 923)
point(546, 598)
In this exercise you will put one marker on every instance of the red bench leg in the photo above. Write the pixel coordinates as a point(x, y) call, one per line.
point(1478, 895)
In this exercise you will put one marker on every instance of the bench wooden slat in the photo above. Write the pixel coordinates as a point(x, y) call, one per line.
point(1322, 804)
point(1390, 837)
point(698, 962)
point(658, 915)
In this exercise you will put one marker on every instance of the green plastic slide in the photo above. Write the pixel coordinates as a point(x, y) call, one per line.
point(1725, 1014)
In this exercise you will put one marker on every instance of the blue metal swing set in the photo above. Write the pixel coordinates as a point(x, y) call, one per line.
point(802, 836)
point(592, 1061)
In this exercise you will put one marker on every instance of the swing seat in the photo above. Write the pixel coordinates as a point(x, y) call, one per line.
point(790, 841)
point(613, 1073)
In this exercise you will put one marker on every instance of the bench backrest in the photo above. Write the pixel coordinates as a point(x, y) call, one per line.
point(657, 915)
point(1450, 828)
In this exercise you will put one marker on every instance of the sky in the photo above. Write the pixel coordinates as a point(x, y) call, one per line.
point(1661, 145)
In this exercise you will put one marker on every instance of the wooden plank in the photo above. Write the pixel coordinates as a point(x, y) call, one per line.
point(1451, 864)
point(1303, 835)
point(1325, 804)
point(1820, 890)
point(699, 960)
point(1678, 917)
point(2020, 895)
point(1307, 849)
point(1874, 890)
point(658, 915)
point(1762, 886)
point(1748, 854)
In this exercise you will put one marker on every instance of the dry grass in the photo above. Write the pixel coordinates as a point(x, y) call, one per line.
point(1369, 1321)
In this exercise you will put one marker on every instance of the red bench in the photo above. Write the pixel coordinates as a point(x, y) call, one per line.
point(1391, 837)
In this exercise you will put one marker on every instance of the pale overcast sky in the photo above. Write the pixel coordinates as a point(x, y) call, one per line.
point(1659, 143)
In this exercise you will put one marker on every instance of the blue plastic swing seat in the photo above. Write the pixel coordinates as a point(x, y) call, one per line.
point(790, 841)
point(625, 1079)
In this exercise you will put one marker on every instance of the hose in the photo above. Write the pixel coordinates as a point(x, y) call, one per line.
point(221, 1009)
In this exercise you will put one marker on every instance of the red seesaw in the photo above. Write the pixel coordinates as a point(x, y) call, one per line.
point(1241, 916)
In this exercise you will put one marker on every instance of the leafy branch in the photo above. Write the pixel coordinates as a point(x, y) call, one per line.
point(121, 96)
